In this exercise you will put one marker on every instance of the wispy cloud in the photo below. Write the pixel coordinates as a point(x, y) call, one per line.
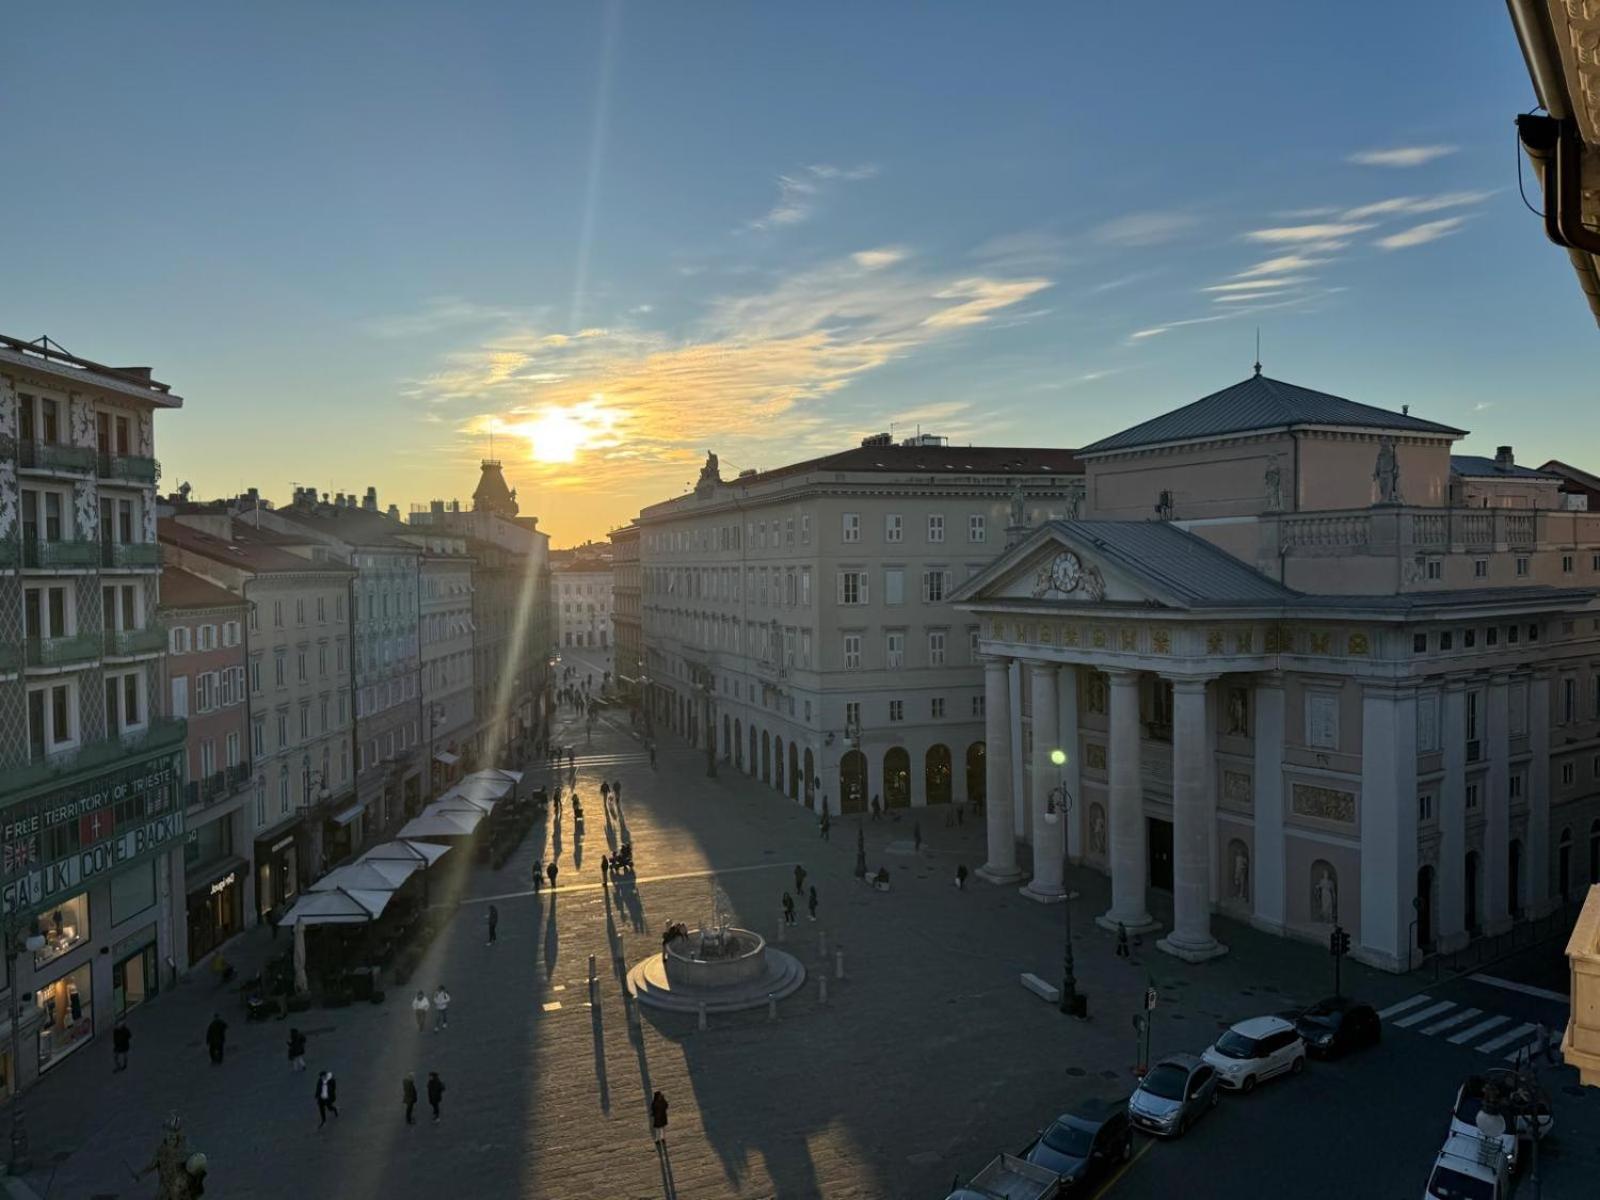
point(1408, 206)
point(885, 256)
point(438, 313)
point(1400, 156)
point(800, 192)
point(1258, 285)
point(1418, 235)
point(1281, 265)
point(1028, 250)
point(1140, 335)
point(1325, 232)
point(1144, 229)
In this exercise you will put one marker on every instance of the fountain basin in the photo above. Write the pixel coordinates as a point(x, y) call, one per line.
point(744, 972)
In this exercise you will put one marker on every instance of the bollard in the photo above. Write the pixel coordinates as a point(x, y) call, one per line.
point(822, 989)
point(591, 969)
point(838, 963)
point(822, 942)
point(772, 1007)
point(702, 1014)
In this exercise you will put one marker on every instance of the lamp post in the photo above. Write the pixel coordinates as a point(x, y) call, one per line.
point(711, 727)
point(21, 1159)
point(1057, 803)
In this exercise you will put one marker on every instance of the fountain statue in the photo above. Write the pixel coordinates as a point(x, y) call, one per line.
point(719, 966)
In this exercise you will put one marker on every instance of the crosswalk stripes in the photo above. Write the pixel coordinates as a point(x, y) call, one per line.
point(1478, 1030)
point(1520, 1033)
point(1450, 1022)
point(1433, 1010)
point(1487, 1033)
point(1385, 1013)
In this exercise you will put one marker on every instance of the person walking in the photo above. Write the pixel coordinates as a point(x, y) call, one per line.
point(121, 1039)
point(494, 923)
point(788, 909)
point(538, 874)
point(441, 1009)
point(216, 1037)
point(916, 836)
point(799, 879)
point(605, 868)
point(652, 756)
point(327, 1097)
point(961, 877)
point(419, 1009)
point(408, 1096)
point(877, 807)
point(435, 1093)
point(826, 824)
point(811, 902)
point(297, 1050)
point(658, 1121)
point(1122, 940)
point(550, 873)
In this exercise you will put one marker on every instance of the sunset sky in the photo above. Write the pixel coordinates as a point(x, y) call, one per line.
point(358, 236)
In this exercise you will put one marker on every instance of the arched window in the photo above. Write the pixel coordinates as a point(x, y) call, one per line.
point(897, 778)
point(936, 774)
point(853, 782)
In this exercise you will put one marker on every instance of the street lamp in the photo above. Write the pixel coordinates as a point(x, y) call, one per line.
point(21, 1159)
point(1057, 803)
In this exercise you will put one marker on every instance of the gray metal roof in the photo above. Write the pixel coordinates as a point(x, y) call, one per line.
point(1478, 465)
point(1261, 403)
point(1177, 562)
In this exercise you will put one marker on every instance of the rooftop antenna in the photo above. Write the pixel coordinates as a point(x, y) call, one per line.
point(1258, 350)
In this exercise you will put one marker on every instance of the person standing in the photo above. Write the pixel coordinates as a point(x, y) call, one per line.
point(216, 1037)
point(494, 923)
point(441, 1009)
point(811, 902)
point(877, 806)
point(961, 877)
point(550, 872)
point(826, 825)
point(799, 879)
point(435, 1093)
point(652, 756)
point(916, 836)
point(121, 1039)
point(538, 874)
point(1122, 940)
point(658, 1121)
point(419, 1009)
point(327, 1097)
point(408, 1096)
point(297, 1050)
point(788, 909)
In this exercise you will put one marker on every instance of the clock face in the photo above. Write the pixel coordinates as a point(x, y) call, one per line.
point(1065, 572)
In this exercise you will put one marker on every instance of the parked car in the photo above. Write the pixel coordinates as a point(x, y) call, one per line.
point(1080, 1146)
point(1469, 1167)
point(1468, 1115)
point(1007, 1177)
point(1254, 1050)
point(1178, 1091)
point(1338, 1025)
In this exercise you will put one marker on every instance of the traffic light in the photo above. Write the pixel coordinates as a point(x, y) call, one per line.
point(1339, 942)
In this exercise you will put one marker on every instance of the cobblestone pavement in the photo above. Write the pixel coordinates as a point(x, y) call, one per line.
point(927, 1057)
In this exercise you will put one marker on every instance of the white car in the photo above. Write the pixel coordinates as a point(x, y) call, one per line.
point(1254, 1050)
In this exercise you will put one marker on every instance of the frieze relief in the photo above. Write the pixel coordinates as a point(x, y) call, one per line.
point(1358, 644)
point(1324, 804)
point(8, 497)
point(82, 421)
point(1238, 790)
point(147, 439)
point(149, 505)
point(1213, 641)
point(84, 511)
point(1160, 641)
point(8, 409)
point(1094, 756)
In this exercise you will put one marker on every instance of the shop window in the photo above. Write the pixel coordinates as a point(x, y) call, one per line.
point(136, 977)
point(68, 1021)
point(132, 891)
point(63, 928)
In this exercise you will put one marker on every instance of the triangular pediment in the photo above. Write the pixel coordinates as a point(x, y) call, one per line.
point(1054, 567)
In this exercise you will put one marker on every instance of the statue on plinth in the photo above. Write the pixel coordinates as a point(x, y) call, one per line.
point(180, 1171)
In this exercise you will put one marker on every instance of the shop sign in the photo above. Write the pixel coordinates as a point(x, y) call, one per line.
point(134, 941)
point(226, 882)
point(149, 788)
point(288, 841)
point(69, 874)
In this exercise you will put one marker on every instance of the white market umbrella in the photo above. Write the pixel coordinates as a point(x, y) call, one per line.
point(477, 788)
point(339, 907)
point(384, 875)
point(498, 773)
point(440, 824)
point(456, 802)
point(424, 854)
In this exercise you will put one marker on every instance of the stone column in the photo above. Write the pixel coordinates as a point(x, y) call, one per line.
point(1071, 774)
point(1002, 864)
point(1267, 792)
point(1049, 837)
point(1019, 776)
point(1497, 807)
point(1536, 855)
point(1129, 864)
point(1190, 938)
point(1450, 916)
point(1388, 821)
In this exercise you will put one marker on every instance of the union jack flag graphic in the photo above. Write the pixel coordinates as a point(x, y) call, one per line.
point(19, 854)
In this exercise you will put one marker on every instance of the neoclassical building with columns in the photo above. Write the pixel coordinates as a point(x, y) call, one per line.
point(1308, 669)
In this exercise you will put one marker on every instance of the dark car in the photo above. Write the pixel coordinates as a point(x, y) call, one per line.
point(1338, 1025)
point(1081, 1146)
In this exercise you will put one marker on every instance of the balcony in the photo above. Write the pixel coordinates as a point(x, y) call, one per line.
point(43, 554)
point(56, 457)
point(159, 734)
point(130, 554)
point(218, 785)
point(61, 651)
point(127, 468)
point(124, 643)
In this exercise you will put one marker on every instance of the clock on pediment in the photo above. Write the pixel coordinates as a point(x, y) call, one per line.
point(1065, 574)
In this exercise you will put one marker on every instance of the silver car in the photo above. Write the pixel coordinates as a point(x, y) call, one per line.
point(1176, 1093)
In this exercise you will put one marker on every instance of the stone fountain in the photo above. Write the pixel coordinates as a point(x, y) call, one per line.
point(718, 965)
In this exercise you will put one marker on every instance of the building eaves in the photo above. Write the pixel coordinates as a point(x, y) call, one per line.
point(1477, 466)
point(243, 553)
point(182, 589)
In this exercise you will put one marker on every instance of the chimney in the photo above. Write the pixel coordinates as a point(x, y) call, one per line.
point(393, 512)
point(140, 373)
point(370, 502)
point(436, 507)
point(455, 506)
point(1503, 458)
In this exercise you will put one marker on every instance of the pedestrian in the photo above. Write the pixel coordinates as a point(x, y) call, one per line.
point(652, 756)
point(550, 873)
point(811, 902)
point(961, 877)
point(419, 1009)
point(435, 1093)
point(825, 825)
point(788, 909)
point(605, 867)
point(297, 1050)
point(916, 836)
point(658, 1121)
point(408, 1096)
point(121, 1039)
point(494, 923)
point(877, 806)
point(327, 1097)
point(216, 1037)
point(538, 874)
point(1122, 940)
point(799, 879)
point(441, 1009)
point(961, 814)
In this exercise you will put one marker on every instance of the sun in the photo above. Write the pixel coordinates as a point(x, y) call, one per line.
point(559, 435)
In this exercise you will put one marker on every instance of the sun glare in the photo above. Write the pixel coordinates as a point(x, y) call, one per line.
point(559, 435)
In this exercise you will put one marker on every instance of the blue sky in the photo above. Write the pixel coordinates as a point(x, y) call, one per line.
point(357, 236)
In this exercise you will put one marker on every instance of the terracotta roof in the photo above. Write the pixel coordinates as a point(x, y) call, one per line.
point(247, 550)
point(181, 589)
point(1479, 466)
point(357, 526)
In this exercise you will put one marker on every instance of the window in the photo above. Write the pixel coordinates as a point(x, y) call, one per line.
point(52, 718)
point(1472, 796)
point(280, 662)
point(936, 647)
point(1434, 568)
point(1566, 564)
point(1480, 568)
point(852, 587)
point(1516, 782)
point(978, 706)
point(44, 514)
point(935, 583)
point(1568, 774)
point(936, 707)
point(852, 652)
point(258, 738)
point(1569, 699)
point(300, 610)
point(852, 714)
point(805, 529)
point(277, 614)
point(39, 418)
point(976, 530)
point(894, 528)
point(936, 527)
point(1491, 635)
point(897, 710)
point(805, 587)
point(1469, 638)
point(894, 585)
point(1512, 633)
point(48, 612)
point(66, 926)
point(1425, 807)
point(1522, 564)
point(1594, 563)
point(895, 650)
point(133, 891)
point(852, 527)
point(180, 696)
point(205, 691)
point(178, 640)
point(1447, 640)
point(1419, 643)
point(322, 610)
point(283, 729)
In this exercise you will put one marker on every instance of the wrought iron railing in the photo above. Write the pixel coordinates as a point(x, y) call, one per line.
point(131, 467)
point(61, 651)
point(35, 455)
point(121, 642)
point(44, 553)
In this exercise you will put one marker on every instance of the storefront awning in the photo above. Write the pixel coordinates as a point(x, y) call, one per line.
point(348, 815)
point(203, 877)
point(445, 757)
